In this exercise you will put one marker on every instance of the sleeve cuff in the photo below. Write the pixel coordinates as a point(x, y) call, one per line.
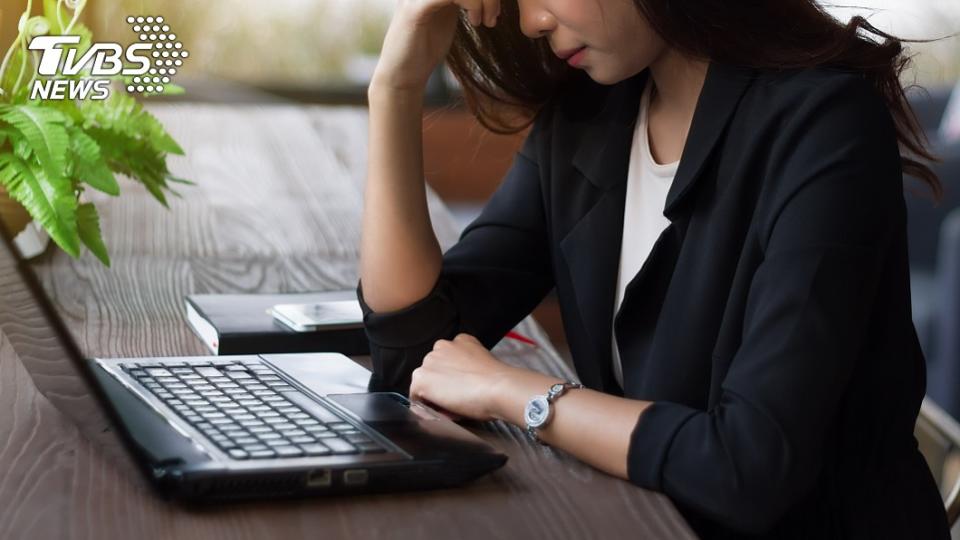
point(651, 440)
point(413, 325)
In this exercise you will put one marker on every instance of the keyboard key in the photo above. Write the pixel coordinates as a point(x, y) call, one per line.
point(255, 447)
point(261, 454)
point(288, 451)
point(237, 453)
point(302, 440)
point(315, 449)
point(209, 372)
point(358, 438)
point(159, 372)
point(340, 426)
point(340, 446)
point(277, 442)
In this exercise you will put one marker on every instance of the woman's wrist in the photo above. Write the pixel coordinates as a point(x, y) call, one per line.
point(382, 88)
point(512, 388)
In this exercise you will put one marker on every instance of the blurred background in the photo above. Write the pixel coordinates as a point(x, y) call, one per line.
point(324, 51)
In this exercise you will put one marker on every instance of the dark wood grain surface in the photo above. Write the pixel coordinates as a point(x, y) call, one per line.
point(276, 209)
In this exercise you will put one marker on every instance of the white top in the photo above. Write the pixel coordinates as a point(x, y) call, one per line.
point(647, 185)
point(950, 123)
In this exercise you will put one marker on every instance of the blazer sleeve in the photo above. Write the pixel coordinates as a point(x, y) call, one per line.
point(837, 201)
point(492, 278)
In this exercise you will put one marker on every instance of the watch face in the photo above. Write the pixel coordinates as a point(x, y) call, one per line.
point(537, 411)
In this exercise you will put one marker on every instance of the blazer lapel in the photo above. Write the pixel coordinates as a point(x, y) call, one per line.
point(721, 93)
point(592, 247)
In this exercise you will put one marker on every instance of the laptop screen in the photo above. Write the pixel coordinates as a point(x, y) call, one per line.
point(39, 340)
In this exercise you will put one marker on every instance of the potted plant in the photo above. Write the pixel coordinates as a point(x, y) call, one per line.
point(53, 151)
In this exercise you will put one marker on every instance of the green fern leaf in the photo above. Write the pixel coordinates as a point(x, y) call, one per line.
point(134, 158)
point(88, 164)
point(43, 129)
point(88, 225)
point(51, 203)
point(121, 113)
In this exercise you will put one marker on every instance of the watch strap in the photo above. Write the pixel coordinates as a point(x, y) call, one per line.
point(554, 393)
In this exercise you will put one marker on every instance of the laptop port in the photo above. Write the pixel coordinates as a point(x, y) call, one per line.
point(355, 477)
point(319, 478)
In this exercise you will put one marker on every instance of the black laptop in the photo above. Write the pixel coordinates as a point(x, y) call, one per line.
point(239, 427)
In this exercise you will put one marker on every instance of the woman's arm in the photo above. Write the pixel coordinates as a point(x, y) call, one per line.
point(593, 426)
point(463, 377)
point(400, 255)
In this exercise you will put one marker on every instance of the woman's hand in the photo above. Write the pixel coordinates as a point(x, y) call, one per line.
point(461, 377)
point(419, 37)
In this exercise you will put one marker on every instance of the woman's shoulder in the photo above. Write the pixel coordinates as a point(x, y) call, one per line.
point(814, 90)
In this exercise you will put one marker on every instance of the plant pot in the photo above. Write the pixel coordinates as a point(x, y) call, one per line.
point(14, 216)
point(31, 240)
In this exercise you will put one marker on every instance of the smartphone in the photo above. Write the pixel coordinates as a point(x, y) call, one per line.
point(340, 314)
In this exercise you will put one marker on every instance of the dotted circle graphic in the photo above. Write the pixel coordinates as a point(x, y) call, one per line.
point(166, 52)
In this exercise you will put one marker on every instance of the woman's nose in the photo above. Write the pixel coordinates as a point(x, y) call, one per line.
point(535, 21)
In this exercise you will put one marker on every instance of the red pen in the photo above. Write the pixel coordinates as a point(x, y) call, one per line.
point(520, 337)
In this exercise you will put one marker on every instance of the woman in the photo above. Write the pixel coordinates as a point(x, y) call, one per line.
point(739, 317)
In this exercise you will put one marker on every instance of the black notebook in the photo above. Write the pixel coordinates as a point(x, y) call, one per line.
point(243, 324)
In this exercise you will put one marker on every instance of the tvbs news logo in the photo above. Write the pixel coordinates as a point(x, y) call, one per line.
point(157, 56)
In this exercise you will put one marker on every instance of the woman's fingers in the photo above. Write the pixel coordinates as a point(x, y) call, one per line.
point(478, 11)
point(491, 10)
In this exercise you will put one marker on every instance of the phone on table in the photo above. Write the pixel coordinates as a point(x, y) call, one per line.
point(312, 317)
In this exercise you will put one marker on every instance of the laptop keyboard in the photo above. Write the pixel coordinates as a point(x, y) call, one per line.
point(248, 411)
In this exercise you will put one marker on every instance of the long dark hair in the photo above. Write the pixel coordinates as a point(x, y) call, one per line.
point(506, 77)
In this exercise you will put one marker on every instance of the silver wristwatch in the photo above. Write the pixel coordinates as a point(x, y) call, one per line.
point(537, 412)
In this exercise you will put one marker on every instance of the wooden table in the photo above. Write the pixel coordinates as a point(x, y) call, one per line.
point(277, 208)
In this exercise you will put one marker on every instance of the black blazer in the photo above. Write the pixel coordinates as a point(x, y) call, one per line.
point(770, 325)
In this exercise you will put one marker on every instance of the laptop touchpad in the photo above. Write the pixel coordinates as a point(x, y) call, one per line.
point(376, 408)
point(322, 373)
